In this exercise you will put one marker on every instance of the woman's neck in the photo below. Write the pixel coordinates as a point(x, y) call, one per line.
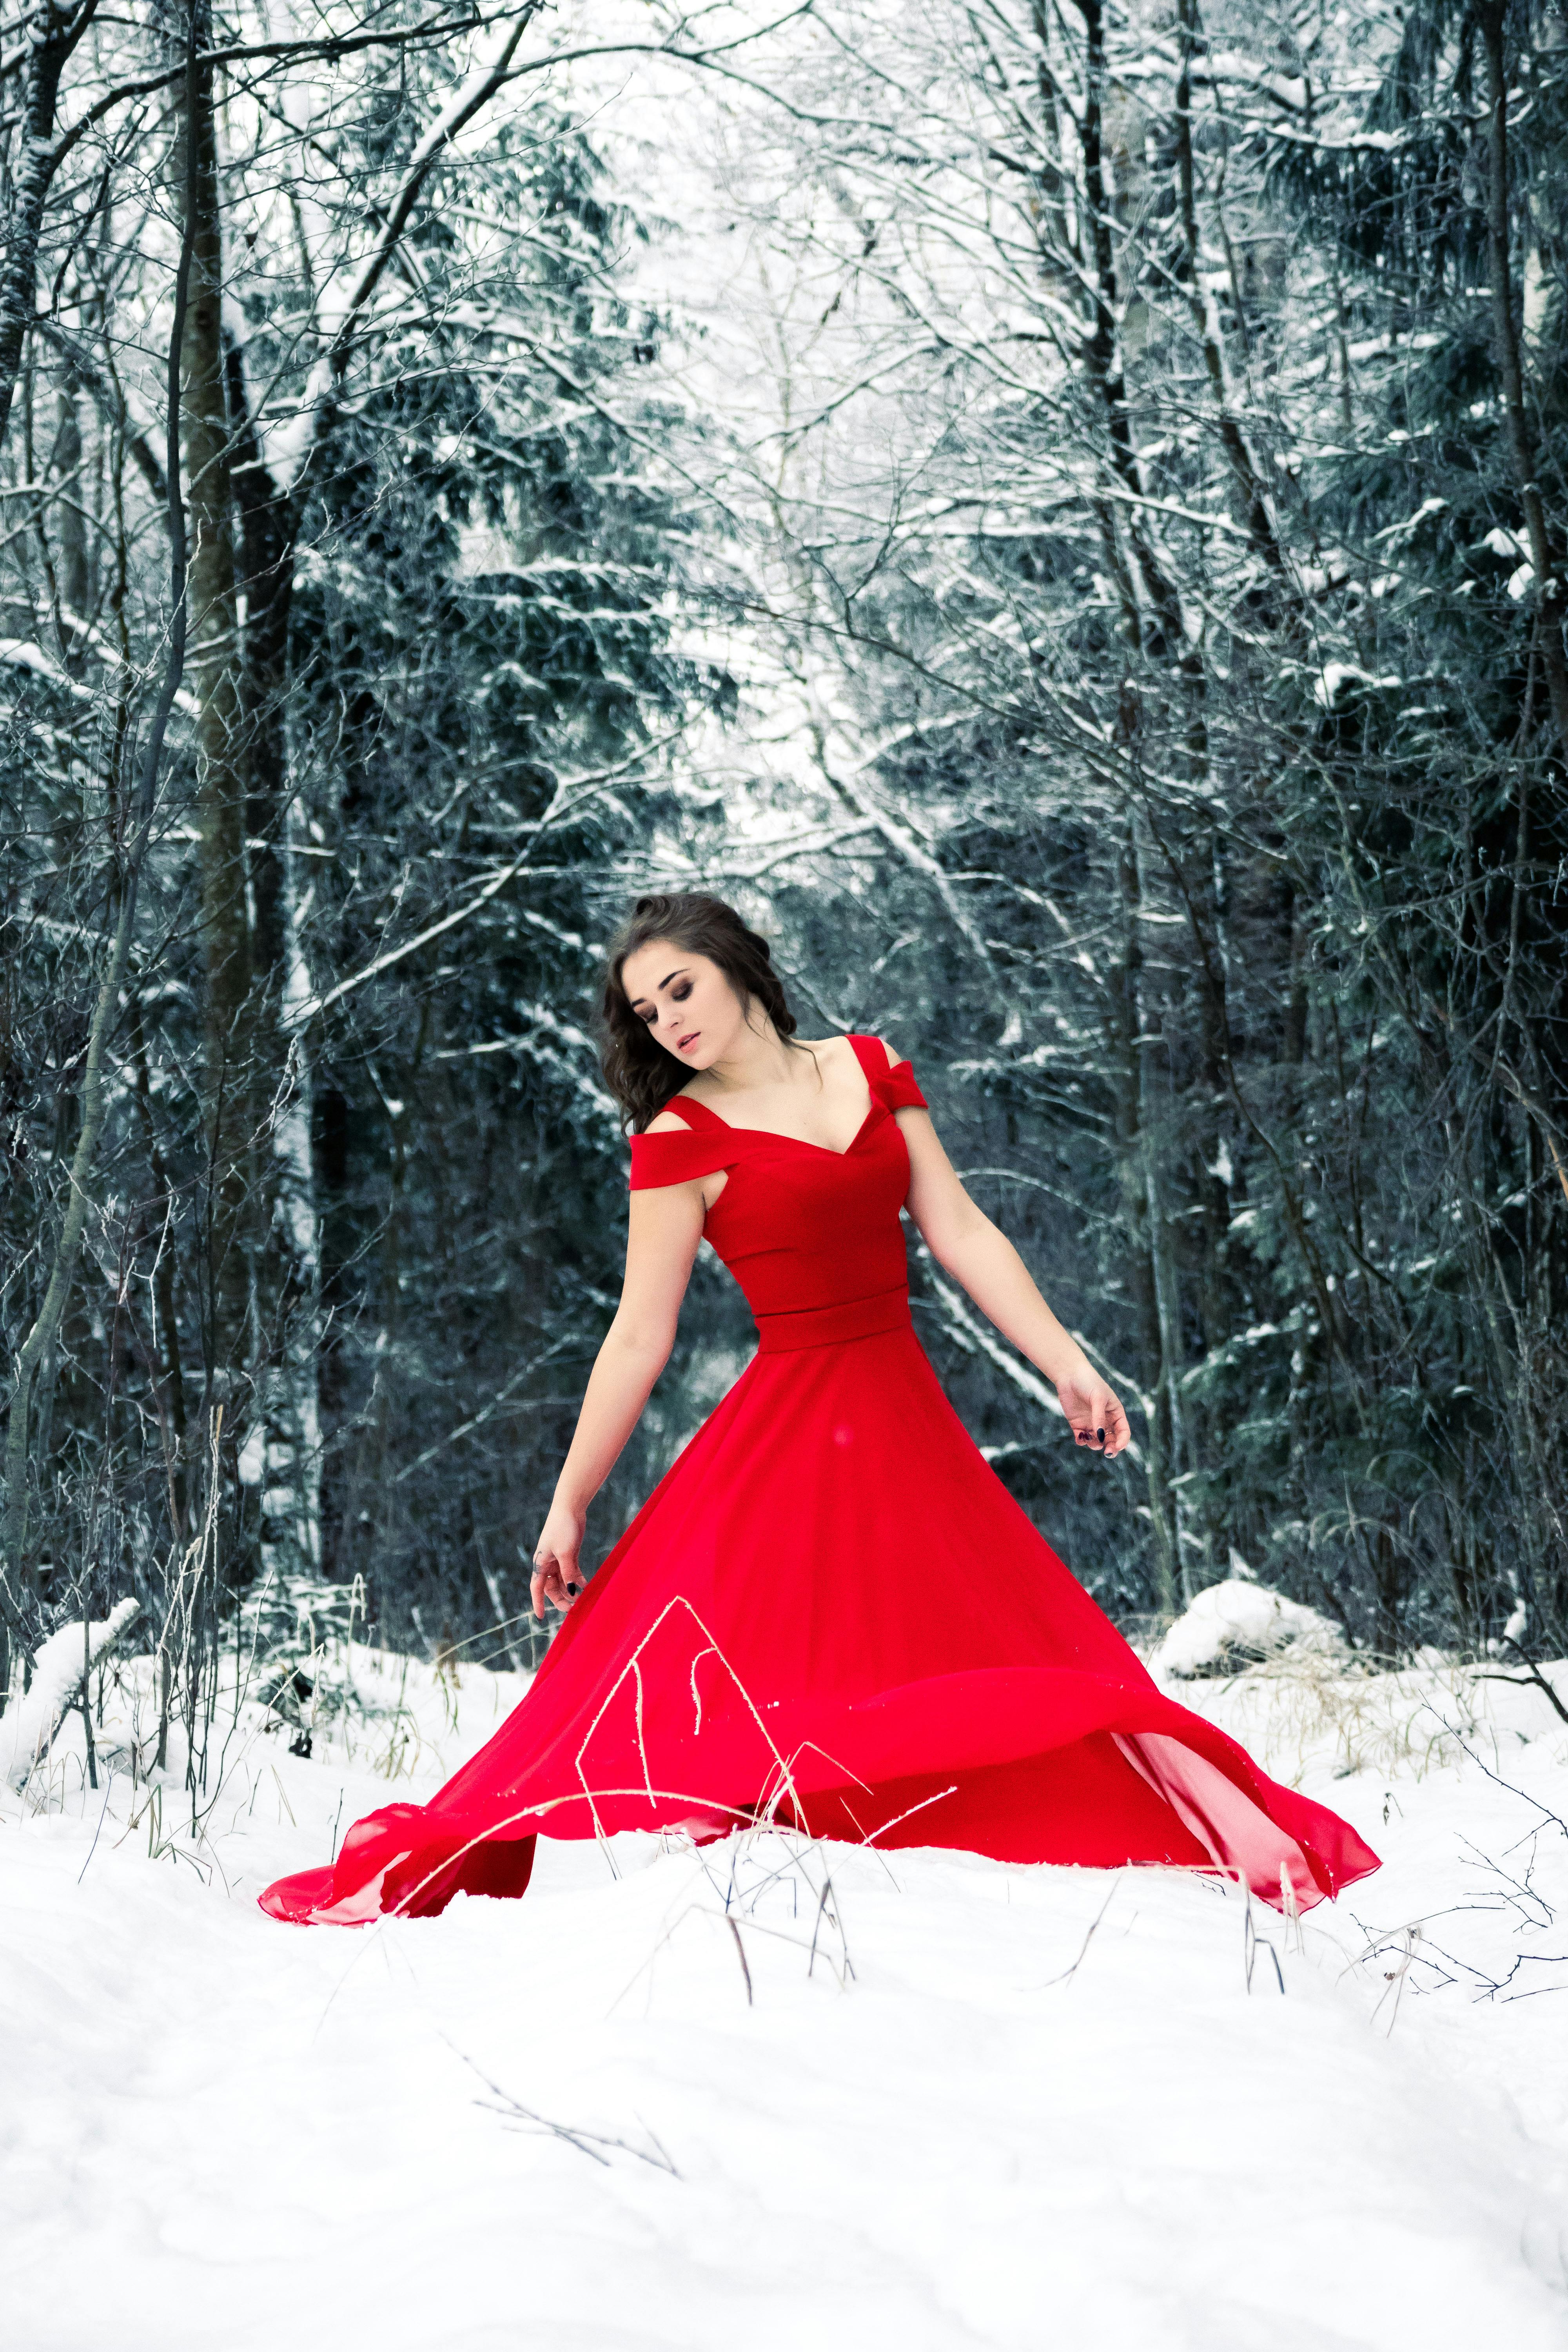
point(761, 1058)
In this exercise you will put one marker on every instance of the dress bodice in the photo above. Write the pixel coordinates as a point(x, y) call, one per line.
point(803, 1229)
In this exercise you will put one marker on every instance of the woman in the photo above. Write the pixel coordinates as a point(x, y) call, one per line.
point(830, 1613)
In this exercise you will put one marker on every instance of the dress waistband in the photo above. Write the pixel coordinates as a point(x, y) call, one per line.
point(825, 1327)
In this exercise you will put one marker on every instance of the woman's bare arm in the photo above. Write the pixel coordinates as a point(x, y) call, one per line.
point(664, 1229)
point(964, 1240)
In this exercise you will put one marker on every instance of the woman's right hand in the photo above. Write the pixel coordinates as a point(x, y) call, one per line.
point(557, 1580)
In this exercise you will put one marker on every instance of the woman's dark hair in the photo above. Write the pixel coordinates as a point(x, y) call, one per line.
point(640, 1075)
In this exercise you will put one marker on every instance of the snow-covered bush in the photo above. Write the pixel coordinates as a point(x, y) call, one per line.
point(1237, 1623)
point(30, 1722)
point(299, 1634)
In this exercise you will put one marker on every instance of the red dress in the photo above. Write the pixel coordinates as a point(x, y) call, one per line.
point(771, 1639)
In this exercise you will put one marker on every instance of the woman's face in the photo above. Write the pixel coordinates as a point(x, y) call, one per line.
point(688, 1004)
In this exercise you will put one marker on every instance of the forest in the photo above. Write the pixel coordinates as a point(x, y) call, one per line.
point(1058, 508)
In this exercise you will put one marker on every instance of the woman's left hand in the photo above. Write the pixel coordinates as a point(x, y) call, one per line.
point(557, 1579)
point(1094, 1413)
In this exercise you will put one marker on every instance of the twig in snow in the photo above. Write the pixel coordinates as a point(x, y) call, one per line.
point(1252, 1943)
point(1396, 1976)
point(1068, 1975)
point(834, 1919)
point(745, 1969)
point(587, 2143)
point(1545, 1811)
point(793, 1866)
point(92, 1849)
point(1531, 1674)
point(1520, 1894)
point(1534, 1959)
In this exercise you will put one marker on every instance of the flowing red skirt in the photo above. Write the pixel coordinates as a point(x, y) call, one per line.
point(831, 1614)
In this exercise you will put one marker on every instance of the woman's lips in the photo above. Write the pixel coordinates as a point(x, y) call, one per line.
point(685, 1044)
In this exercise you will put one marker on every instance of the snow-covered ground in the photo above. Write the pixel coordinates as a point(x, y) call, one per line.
point(1000, 2107)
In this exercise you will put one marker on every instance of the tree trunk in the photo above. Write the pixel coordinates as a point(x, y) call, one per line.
point(220, 751)
point(1251, 496)
point(54, 34)
point(1127, 1015)
point(268, 525)
point(35, 1348)
point(1102, 356)
point(286, 1271)
point(1544, 554)
point(74, 571)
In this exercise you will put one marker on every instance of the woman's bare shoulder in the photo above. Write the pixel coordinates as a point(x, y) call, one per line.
point(844, 1047)
point(893, 1058)
point(669, 1121)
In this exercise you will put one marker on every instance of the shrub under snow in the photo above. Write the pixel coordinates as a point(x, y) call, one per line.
point(1231, 1624)
point(31, 1721)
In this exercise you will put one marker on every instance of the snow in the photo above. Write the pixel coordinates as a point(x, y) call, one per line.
point(1003, 2107)
point(1238, 1615)
point(1334, 674)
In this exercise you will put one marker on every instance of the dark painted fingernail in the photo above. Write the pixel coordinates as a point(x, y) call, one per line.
point(574, 1589)
point(1101, 1434)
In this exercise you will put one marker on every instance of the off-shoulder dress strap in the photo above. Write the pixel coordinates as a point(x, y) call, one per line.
point(896, 1089)
point(708, 1144)
point(697, 1114)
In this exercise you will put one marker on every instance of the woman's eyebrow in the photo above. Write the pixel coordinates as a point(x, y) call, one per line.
point(672, 975)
